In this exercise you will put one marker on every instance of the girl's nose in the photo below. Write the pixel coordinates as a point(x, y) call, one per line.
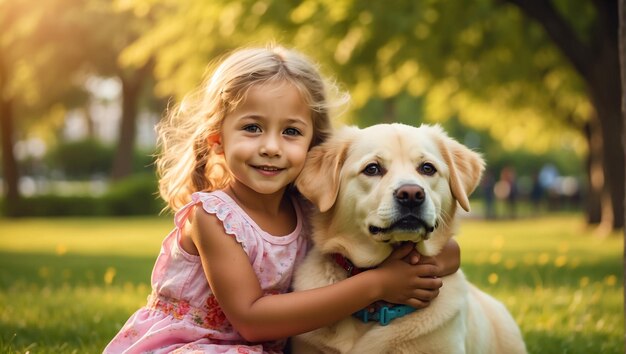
point(270, 147)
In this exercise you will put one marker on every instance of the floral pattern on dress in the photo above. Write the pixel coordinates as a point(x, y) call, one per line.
point(210, 316)
point(182, 306)
point(173, 307)
point(215, 317)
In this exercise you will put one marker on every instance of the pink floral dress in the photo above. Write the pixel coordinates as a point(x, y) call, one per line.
point(182, 315)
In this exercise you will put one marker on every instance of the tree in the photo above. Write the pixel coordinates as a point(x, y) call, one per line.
point(108, 29)
point(596, 60)
point(36, 61)
point(488, 61)
point(622, 57)
point(9, 163)
point(46, 52)
point(498, 66)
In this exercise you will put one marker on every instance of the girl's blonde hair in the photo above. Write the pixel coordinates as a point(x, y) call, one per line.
point(186, 163)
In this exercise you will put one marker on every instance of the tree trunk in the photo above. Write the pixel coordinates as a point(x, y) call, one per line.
point(123, 161)
point(9, 163)
point(595, 174)
point(89, 123)
point(622, 64)
point(132, 85)
point(598, 64)
point(605, 92)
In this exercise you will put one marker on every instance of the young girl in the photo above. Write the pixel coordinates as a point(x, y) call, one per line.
point(227, 163)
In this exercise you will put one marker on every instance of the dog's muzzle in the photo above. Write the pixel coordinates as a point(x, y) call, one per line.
point(409, 200)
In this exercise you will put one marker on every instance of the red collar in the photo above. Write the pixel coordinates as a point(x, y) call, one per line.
point(348, 266)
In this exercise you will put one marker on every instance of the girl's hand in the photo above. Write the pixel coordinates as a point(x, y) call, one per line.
point(410, 284)
point(447, 261)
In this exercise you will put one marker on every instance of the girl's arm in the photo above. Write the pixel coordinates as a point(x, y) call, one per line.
point(260, 318)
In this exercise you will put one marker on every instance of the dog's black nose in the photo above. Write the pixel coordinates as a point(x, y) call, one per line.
point(410, 195)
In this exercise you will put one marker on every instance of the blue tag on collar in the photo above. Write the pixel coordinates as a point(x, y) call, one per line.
point(385, 313)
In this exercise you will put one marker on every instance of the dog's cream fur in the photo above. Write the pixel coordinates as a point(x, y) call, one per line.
point(353, 198)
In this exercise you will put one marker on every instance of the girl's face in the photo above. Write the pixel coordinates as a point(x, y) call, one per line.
point(266, 138)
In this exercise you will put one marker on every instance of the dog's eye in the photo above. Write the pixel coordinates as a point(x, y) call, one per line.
point(373, 169)
point(427, 169)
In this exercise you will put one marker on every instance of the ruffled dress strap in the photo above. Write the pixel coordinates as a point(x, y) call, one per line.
point(213, 203)
point(234, 220)
point(182, 214)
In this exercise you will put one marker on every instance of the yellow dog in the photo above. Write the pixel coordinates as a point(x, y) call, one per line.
point(382, 185)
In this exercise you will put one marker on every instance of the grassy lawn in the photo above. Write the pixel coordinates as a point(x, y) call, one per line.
point(67, 285)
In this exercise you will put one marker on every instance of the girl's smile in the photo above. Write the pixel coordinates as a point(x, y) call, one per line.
point(268, 170)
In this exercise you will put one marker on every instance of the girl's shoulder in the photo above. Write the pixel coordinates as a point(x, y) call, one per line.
point(234, 219)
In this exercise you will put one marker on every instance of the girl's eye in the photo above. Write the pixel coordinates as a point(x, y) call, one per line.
point(427, 169)
point(252, 128)
point(292, 131)
point(373, 169)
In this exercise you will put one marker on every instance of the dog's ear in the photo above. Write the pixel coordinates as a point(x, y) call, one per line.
point(466, 168)
point(320, 178)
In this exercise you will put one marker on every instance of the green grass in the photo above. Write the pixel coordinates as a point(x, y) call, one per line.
point(67, 285)
point(563, 286)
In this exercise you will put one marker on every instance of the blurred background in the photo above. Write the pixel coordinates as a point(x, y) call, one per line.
point(534, 85)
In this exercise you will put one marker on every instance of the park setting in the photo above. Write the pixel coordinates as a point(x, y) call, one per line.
point(533, 86)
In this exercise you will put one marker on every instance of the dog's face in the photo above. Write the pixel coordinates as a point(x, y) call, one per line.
point(386, 184)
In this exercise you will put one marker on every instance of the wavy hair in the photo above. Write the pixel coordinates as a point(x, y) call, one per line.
point(186, 163)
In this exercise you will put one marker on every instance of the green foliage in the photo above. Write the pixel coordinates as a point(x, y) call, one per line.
point(135, 195)
point(38, 50)
point(486, 64)
point(68, 285)
point(82, 159)
point(88, 158)
point(527, 163)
